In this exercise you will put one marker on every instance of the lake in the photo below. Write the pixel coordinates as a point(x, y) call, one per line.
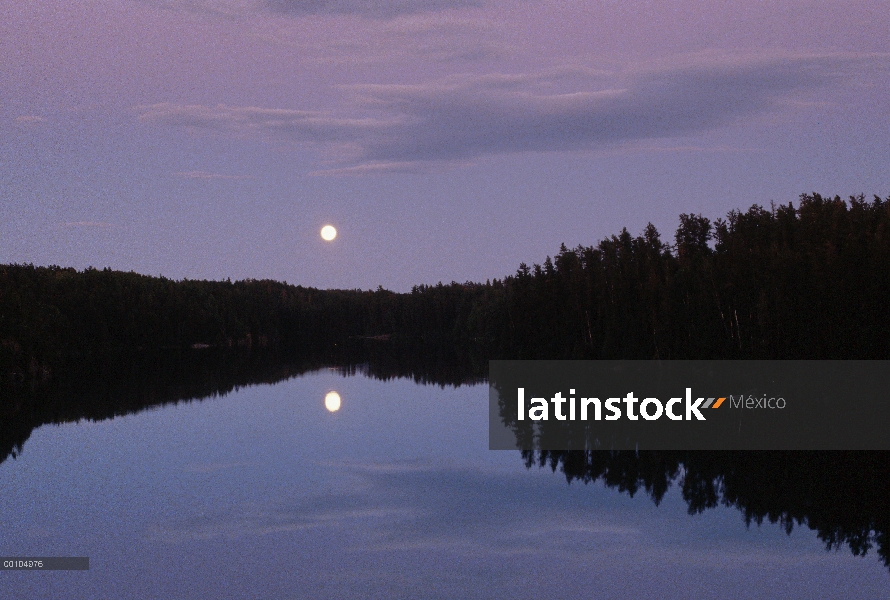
point(265, 493)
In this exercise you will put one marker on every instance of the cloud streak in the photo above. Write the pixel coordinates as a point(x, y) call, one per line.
point(462, 118)
point(432, 39)
point(384, 9)
point(373, 9)
point(208, 175)
point(88, 224)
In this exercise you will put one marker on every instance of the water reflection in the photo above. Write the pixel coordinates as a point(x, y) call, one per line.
point(120, 384)
point(843, 496)
point(332, 401)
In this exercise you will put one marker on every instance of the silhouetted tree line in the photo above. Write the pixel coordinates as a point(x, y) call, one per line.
point(802, 282)
point(54, 318)
point(805, 282)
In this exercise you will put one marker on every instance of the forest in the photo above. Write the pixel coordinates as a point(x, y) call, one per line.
point(806, 282)
point(810, 281)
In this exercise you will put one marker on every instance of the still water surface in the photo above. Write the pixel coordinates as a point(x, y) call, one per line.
point(267, 493)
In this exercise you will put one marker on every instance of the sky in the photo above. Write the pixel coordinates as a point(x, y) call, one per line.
point(446, 140)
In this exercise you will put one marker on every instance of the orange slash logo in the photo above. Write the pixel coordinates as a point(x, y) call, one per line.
point(716, 404)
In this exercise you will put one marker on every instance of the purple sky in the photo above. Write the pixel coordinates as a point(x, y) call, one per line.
point(445, 139)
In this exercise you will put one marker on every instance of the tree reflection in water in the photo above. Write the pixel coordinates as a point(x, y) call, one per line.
point(118, 385)
point(843, 496)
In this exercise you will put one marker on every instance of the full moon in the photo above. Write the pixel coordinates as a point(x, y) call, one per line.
point(328, 233)
point(332, 399)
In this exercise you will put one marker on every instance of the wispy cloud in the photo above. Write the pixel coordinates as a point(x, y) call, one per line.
point(208, 175)
point(432, 39)
point(461, 118)
point(90, 224)
point(214, 467)
point(404, 166)
point(375, 9)
point(367, 8)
